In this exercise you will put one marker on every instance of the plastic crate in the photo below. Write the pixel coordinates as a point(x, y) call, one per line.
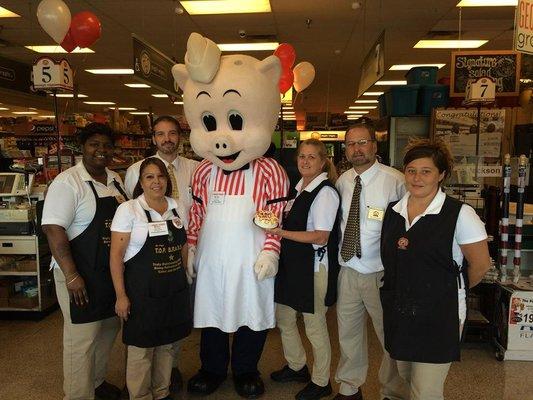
point(431, 96)
point(422, 76)
point(402, 100)
point(382, 105)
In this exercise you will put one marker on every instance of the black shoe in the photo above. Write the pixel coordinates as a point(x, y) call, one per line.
point(289, 375)
point(249, 386)
point(107, 391)
point(313, 392)
point(204, 383)
point(176, 381)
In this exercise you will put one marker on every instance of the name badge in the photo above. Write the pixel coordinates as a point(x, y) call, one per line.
point(177, 223)
point(217, 198)
point(375, 213)
point(120, 198)
point(159, 228)
point(288, 207)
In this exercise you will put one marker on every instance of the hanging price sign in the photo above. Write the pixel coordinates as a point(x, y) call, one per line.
point(49, 74)
point(483, 90)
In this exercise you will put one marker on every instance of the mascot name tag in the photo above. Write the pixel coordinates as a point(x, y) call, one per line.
point(217, 198)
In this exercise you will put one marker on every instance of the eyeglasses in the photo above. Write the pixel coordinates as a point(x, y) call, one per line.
point(360, 142)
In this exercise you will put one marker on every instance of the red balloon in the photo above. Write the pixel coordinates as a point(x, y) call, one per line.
point(286, 80)
point(85, 28)
point(68, 42)
point(287, 55)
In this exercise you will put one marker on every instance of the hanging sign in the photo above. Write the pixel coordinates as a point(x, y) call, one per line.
point(373, 67)
point(482, 90)
point(501, 65)
point(49, 74)
point(523, 39)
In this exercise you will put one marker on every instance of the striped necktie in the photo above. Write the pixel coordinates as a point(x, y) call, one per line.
point(351, 242)
point(173, 181)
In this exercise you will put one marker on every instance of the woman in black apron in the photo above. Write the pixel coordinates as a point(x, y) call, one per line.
point(90, 323)
point(308, 268)
point(150, 281)
point(426, 236)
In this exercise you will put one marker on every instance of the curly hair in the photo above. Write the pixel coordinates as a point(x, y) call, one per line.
point(435, 149)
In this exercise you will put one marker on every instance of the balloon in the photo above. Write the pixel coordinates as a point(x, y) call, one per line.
point(285, 81)
point(304, 73)
point(54, 17)
point(85, 28)
point(68, 42)
point(286, 54)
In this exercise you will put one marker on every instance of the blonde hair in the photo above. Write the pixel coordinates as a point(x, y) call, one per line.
point(322, 152)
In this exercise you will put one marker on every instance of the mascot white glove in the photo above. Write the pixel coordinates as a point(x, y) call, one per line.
point(266, 265)
point(191, 253)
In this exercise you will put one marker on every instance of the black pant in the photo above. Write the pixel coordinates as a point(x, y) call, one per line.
point(245, 351)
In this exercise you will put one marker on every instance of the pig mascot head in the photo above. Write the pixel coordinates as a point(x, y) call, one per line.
point(231, 102)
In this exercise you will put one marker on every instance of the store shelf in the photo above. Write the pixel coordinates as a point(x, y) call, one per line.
point(18, 273)
point(19, 309)
point(133, 147)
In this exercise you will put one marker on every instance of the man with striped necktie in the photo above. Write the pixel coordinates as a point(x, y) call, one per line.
point(166, 137)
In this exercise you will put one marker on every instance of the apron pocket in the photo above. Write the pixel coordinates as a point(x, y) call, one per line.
point(167, 311)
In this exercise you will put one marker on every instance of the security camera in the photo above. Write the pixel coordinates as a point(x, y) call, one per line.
point(178, 10)
point(242, 33)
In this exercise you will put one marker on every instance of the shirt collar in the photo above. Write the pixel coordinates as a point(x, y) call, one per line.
point(434, 207)
point(175, 162)
point(85, 176)
point(313, 184)
point(171, 203)
point(367, 176)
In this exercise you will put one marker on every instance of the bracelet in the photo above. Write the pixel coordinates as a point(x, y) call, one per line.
point(76, 277)
point(71, 275)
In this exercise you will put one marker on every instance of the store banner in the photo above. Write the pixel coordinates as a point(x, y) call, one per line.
point(373, 67)
point(152, 67)
point(503, 66)
point(15, 75)
point(523, 39)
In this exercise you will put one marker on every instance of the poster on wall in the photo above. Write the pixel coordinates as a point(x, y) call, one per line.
point(501, 65)
point(523, 35)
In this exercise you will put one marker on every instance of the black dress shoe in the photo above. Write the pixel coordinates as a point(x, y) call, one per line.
point(289, 375)
point(357, 396)
point(176, 381)
point(107, 391)
point(204, 383)
point(313, 392)
point(249, 386)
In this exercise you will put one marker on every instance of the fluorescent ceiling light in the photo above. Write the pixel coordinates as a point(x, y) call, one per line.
point(226, 6)
point(288, 107)
point(487, 3)
point(110, 71)
point(523, 80)
point(25, 112)
point(390, 83)
point(3, 109)
point(139, 113)
point(362, 107)
point(366, 101)
point(356, 112)
point(159, 95)
point(32, 108)
point(137, 85)
point(373, 93)
point(265, 46)
point(99, 103)
point(449, 44)
point(178, 102)
point(126, 108)
point(47, 116)
point(69, 95)
point(57, 49)
point(5, 13)
point(407, 67)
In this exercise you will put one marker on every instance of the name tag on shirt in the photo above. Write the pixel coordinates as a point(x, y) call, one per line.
point(120, 198)
point(375, 213)
point(217, 198)
point(159, 228)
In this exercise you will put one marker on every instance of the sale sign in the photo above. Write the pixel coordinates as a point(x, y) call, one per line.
point(523, 40)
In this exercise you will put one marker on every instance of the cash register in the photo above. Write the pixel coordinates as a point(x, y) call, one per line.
point(16, 212)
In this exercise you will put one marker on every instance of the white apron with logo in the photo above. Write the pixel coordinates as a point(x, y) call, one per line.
point(228, 294)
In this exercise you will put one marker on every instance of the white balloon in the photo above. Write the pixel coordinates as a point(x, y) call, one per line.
point(54, 17)
point(304, 73)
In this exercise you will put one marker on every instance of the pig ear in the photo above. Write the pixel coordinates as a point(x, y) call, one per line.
point(180, 74)
point(271, 67)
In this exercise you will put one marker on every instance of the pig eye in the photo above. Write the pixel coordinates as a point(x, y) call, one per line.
point(235, 120)
point(209, 121)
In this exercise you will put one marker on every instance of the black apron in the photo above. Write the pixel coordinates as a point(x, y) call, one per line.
point(419, 294)
point(90, 251)
point(157, 287)
point(294, 285)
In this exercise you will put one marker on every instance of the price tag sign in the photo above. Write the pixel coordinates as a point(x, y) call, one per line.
point(50, 74)
point(482, 90)
point(521, 309)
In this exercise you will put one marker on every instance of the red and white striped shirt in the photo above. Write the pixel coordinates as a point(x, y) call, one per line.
point(270, 183)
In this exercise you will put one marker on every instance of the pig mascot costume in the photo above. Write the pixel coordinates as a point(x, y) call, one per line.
point(231, 104)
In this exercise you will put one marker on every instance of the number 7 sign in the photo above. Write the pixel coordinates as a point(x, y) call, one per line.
point(482, 90)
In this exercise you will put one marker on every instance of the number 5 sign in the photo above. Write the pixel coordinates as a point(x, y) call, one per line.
point(49, 74)
point(482, 90)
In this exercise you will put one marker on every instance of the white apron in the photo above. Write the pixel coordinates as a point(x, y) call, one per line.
point(228, 294)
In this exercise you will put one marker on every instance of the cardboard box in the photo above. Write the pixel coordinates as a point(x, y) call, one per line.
point(19, 301)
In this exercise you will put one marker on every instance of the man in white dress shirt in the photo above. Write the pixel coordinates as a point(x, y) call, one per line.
point(166, 138)
point(359, 257)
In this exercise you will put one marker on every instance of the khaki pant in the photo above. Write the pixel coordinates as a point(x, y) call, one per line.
point(358, 294)
point(316, 330)
point(148, 372)
point(426, 381)
point(86, 348)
